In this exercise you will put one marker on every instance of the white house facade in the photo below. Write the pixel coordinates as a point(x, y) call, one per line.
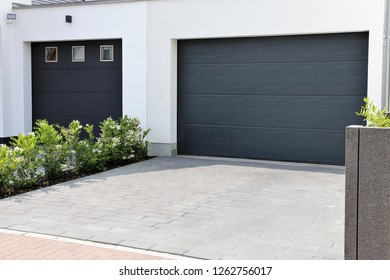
point(265, 79)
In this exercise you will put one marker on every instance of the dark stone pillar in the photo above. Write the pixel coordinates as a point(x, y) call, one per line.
point(367, 201)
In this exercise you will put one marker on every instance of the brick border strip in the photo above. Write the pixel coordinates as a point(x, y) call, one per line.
point(26, 245)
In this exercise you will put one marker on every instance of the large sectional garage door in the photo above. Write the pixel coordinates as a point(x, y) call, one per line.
point(277, 98)
point(68, 85)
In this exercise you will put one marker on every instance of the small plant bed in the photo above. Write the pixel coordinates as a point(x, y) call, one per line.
point(53, 154)
point(374, 116)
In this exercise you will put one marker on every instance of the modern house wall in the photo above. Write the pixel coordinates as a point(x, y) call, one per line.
point(122, 20)
point(194, 19)
point(150, 30)
point(6, 62)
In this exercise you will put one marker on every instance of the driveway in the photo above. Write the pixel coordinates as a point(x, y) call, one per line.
point(198, 207)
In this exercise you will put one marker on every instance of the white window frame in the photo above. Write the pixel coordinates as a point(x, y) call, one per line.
point(78, 60)
point(46, 53)
point(101, 53)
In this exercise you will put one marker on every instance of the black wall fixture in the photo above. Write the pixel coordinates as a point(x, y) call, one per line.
point(68, 19)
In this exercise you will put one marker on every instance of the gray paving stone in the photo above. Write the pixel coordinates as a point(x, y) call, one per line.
point(204, 254)
point(109, 238)
point(266, 247)
point(250, 256)
point(205, 208)
point(26, 228)
point(294, 256)
point(4, 224)
point(140, 244)
point(7, 211)
point(55, 230)
point(297, 251)
point(276, 242)
point(320, 238)
point(43, 220)
point(265, 250)
point(301, 245)
point(335, 255)
point(338, 245)
point(172, 249)
point(16, 220)
point(81, 233)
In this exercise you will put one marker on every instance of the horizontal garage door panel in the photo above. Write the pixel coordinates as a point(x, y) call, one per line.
point(285, 79)
point(269, 111)
point(278, 98)
point(264, 143)
point(93, 80)
point(79, 103)
point(333, 47)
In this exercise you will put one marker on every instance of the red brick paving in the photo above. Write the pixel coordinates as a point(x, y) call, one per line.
point(22, 247)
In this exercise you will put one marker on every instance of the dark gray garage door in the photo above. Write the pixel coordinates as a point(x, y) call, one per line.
point(277, 98)
point(65, 89)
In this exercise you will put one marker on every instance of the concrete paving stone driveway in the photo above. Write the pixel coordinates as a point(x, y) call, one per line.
point(198, 207)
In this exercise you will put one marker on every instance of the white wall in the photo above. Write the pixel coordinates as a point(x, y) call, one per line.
point(169, 20)
point(1, 87)
point(123, 20)
point(150, 30)
point(6, 58)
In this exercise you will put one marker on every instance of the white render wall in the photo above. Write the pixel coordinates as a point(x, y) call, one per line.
point(169, 20)
point(6, 60)
point(150, 30)
point(122, 20)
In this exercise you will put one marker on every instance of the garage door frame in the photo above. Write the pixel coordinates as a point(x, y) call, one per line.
point(356, 120)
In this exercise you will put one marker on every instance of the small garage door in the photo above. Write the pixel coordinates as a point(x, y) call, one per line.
point(77, 80)
point(277, 98)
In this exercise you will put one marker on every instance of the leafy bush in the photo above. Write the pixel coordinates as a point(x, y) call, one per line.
point(373, 115)
point(54, 151)
point(71, 136)
point(48, 151)
point(119, 141)
point(88, 158)
point(132, 138)
point(7, 169)
point(122, 140)
point(27, 157)
point(109, 141)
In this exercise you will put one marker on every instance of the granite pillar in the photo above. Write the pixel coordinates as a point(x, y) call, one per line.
point(367, 193)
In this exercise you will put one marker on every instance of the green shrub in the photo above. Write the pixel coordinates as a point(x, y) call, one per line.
point(7, 169)
point(373, 115)
point(133, 138)
point(122, 140)
point(89, 158)
point(119, 141)
point(55, 152)
point(27, 157)
point(71, 136)
point(108, 142)
point(51, 149)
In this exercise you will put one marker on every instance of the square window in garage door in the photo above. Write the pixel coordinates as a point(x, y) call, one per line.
point(107, 53)
point(51, 54)
point(78, 54)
